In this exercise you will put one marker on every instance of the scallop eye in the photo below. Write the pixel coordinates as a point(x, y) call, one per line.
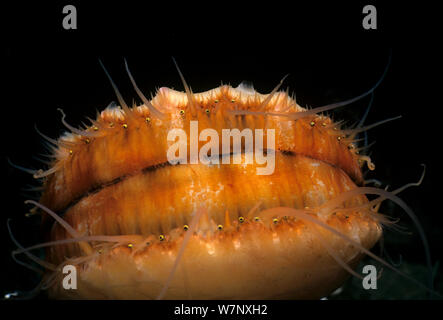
point(220, 227)
point(182, 112)
point(256, 219)
point(186, 227)
point(161, 237)
point(241, 219)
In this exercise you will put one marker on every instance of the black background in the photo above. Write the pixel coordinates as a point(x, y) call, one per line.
point(323, 47)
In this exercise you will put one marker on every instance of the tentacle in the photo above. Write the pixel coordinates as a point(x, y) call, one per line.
point(41, 174)
point(334, 203)
point(311, 112)
point(39, 261)
point(104, 238)
point(265, 102)
point(72, 129)
point(413, 184)
point(120, 99)
point(50, 148)
point(30, 171)
point(85, 246)
point(305, 216)
point(189, 233)
point(365, 147)
point(65, 225)
point(49, 280)
point(376, 202)
point(157, 113)
point(367, 159)
point(354, 132)
point(363, 119)
point(332, 253)
point(188, 91)
point(54, 142)
point(31, 188)
point(45, 162)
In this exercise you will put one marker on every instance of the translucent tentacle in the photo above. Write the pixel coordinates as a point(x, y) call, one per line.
point(334, 203)
point(29, 255)
point(266, 101)
point(157, 113)
point(188, 91)
point(353, 132)
point(30, 171)
point(363, 119)
point(189, 233)
point(120, 99)
point(299, 115)
point(41, 174)
point(304, 216)
point(119, 239)
point(54, 142)
point(77, 131)
point(85, 246)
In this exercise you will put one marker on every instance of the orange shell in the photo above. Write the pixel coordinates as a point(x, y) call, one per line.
point(116, 181)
